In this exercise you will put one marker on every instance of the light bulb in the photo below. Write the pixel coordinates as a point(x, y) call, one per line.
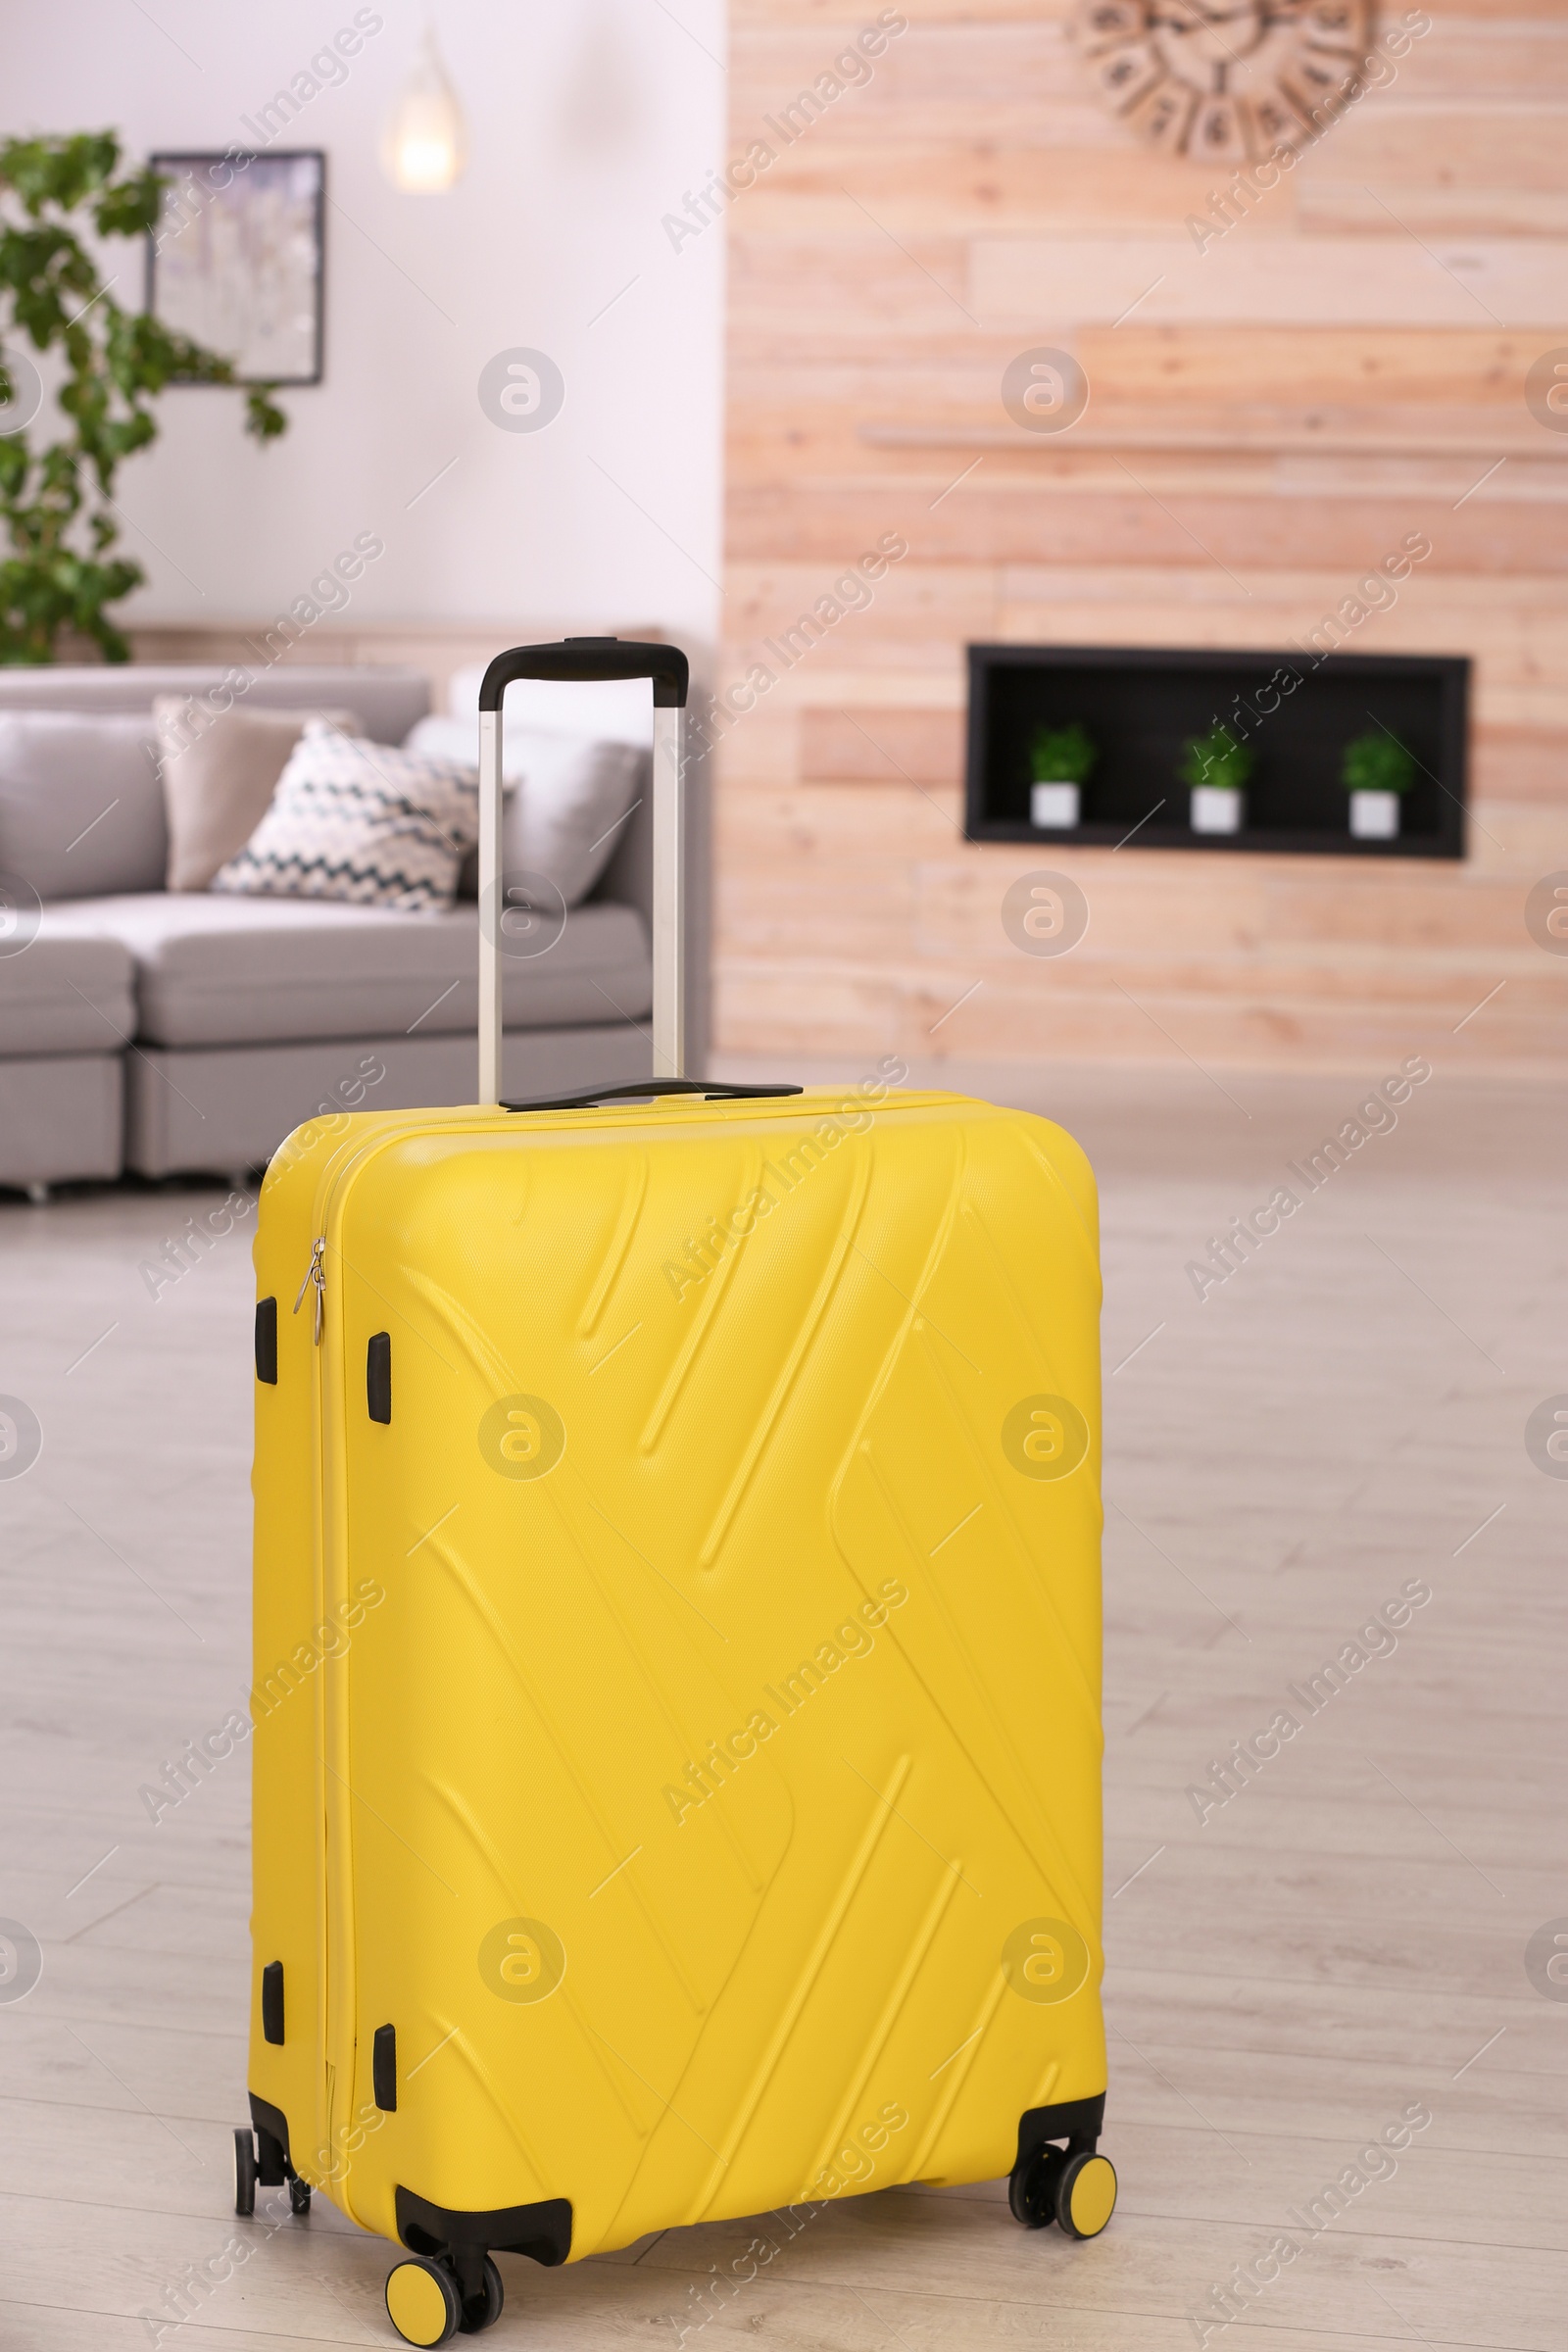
point(425, 144)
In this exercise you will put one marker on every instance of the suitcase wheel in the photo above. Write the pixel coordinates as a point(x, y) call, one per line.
point(299, 2194)
point(1032, 2188)
point(245, 2170)
point(1086, 2194)
point(1077, 2190)
point(422, 2301)
point(482, 2309)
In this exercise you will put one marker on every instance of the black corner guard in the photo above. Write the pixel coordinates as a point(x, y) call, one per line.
point(1079, 2122)
point(542, 2231)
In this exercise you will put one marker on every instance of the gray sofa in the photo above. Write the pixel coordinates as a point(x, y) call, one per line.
point(170, 1031)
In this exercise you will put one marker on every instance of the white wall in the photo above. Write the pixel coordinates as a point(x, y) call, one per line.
point(587, 121)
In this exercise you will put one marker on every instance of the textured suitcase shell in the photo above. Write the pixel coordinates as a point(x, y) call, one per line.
point(677, 1720)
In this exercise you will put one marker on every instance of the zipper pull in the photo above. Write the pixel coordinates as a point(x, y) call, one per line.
point(316, 1275)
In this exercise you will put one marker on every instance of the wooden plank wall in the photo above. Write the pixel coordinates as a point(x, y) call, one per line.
point(1269, 416)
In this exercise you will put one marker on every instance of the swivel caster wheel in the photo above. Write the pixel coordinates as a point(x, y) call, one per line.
point(427, 2303)
point(1086, 2194)
point(245, 2171)
point(1032, 2188)
point(422, 2301)
point(299, 2194)
point(482, 2307)
point(1077, 2191)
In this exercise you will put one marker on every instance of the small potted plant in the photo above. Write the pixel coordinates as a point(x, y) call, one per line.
point(1377, 771)
point(1061, 760)
point(1216, 767)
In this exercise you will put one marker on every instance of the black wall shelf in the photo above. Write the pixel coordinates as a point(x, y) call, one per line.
point(1140, 708)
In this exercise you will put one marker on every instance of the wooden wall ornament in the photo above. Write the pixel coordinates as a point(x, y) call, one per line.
point(1225, 81)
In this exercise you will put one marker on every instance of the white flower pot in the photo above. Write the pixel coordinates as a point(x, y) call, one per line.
point(1375, 815)
point(1053, 804)
point(1216, 809)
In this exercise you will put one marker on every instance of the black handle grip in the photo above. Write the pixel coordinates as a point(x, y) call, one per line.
point(711, 1090)
point(588, 660)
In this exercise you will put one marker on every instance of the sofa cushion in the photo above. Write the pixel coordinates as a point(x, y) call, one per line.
point(565, 799)
point(67, 996)
point(362, 823)
point(81, 807)
point(216, 970)
point(220, 775)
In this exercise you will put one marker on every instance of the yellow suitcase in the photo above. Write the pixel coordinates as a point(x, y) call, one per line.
point(677, 1654)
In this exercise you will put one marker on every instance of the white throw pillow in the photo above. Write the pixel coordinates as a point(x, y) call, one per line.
point(361, 822)
point(566, 797)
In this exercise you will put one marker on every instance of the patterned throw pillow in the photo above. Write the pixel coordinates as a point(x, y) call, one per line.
point(361, 822)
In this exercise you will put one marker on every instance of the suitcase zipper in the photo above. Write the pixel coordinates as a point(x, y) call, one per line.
point(313, 1274)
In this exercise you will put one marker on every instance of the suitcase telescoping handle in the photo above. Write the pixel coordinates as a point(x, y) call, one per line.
point(583, 661)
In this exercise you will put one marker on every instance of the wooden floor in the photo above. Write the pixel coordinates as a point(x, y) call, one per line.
point(1341, 1945)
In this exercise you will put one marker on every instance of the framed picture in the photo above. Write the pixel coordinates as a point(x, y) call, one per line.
point(235, 260)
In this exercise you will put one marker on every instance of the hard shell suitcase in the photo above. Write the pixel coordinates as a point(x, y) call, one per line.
point(677, 1650)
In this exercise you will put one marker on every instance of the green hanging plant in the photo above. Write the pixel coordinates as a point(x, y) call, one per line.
point(1377, 764)
point(1215, 759)
point(57, 497)
point(1062, 754)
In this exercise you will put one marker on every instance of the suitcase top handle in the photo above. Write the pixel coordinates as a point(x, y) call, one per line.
point(711, 1090)
point(589, 661)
